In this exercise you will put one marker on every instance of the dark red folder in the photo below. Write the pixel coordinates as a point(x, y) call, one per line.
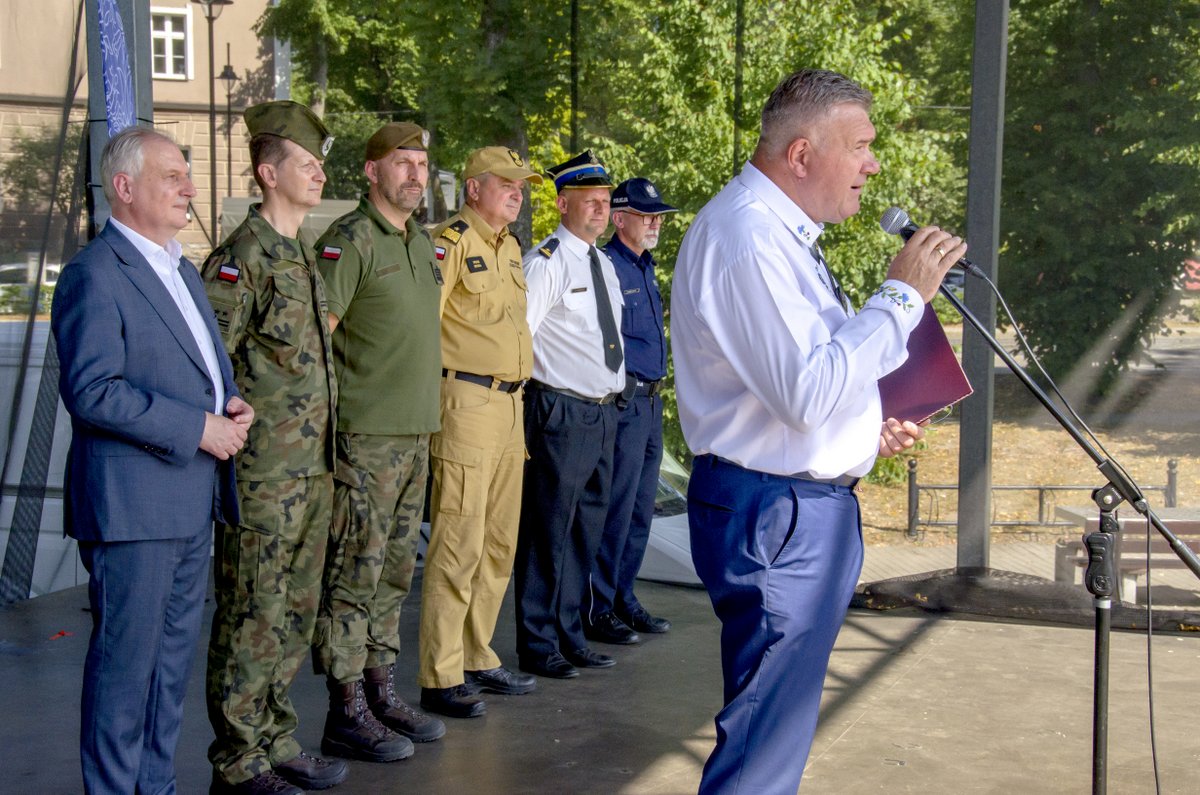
point(930, 380)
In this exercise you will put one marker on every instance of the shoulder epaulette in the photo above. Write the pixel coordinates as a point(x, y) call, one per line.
point(454, 232)
point(549, 248)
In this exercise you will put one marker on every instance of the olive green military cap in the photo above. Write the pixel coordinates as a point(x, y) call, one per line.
point(501, 161)
point(396, 135)
point(292, 121)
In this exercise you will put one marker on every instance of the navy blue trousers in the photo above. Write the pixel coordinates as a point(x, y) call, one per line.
point(564, 502)
point(147, 599)
point(780, 557)
point(636, 460)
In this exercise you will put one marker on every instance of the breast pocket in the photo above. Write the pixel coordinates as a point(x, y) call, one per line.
point(580, 309)
point(637, 318)
point(482, 302)
point(290, 309)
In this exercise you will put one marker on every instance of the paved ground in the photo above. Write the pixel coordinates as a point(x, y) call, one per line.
point(914, 703)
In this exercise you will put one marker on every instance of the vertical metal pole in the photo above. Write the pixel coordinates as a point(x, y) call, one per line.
point(212, 129)
point(1169, 499)
point(983, 232)
point(228, 129)
point(738, 57)
point(914, 499)
point(574, 77)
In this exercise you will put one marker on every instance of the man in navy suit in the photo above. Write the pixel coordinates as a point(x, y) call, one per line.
point(155, 419)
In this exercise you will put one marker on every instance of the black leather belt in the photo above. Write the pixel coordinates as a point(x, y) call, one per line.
point(637, 388)
point(484, 380)
point(609, 398)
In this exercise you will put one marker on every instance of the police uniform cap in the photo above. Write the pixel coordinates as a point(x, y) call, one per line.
point(396, 135)
point(581, 171)
point(641, 196)
point(501, 161)
point(290, 120)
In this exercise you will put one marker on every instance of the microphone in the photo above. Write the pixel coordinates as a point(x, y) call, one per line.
point(895, 221)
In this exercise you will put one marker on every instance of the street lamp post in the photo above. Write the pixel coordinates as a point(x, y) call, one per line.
point(212, 10)
point(228, 77)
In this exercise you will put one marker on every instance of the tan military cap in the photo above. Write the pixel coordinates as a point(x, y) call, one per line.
point(292, 121)
point(501, 161)
point(396, 135)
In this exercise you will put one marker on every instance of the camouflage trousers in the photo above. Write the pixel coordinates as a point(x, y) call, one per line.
point(268, 587)
point(379, 493)
point(475, 510)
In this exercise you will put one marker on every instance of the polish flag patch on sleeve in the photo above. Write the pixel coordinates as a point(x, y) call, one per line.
point(440, 251)
point(331, 252)
point(229, 273)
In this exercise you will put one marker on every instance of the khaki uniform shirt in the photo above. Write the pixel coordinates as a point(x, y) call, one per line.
point(270, 306)
point(384, 286)
point(484, 330)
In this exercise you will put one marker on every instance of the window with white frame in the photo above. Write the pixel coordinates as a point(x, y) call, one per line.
point(171, 43)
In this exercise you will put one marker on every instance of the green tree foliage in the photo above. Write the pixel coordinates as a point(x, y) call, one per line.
point(1101, 175)
point(656, 94)
point(27, 178)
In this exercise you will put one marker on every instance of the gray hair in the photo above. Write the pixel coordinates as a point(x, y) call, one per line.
point(802, 99)
point(123, 155)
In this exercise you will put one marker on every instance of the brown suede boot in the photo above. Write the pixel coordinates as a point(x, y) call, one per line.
point(351, 731)
point(380, 687)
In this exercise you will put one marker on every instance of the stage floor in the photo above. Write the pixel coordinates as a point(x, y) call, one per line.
point(914, 703)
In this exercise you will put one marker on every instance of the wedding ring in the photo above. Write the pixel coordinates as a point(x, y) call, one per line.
point(941, 251)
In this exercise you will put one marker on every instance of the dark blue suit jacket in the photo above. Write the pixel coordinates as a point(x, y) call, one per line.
point(137, 389)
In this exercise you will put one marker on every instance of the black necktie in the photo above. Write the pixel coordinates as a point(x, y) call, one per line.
point(608, 326)
point(834, 284)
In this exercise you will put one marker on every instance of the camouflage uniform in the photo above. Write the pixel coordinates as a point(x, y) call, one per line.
point(383, 286)
point(270, 307)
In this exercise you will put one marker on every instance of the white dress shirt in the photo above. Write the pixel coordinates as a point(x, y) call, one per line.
point(771, 372)
point(165, 264)
point(568, 347)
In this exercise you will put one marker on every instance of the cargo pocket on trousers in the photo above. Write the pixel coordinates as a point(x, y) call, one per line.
point(457, 477)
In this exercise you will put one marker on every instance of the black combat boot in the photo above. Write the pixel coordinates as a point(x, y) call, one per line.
point(351, 731)
point(380, 687)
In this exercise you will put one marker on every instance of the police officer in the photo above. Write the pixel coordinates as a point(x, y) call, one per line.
point(270, 308)
point(613, 614)
point(570, 422)
point(479, 454)
point(384, 287)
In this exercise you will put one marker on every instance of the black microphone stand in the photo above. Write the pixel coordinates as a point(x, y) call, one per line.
point(1100, 578)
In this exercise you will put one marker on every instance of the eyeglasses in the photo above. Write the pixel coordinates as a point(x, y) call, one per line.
point(647, 220)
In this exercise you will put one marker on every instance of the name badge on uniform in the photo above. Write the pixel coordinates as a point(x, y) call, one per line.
point(437, 275)
point(476, 265)
point(579, 289)
point(632, 291)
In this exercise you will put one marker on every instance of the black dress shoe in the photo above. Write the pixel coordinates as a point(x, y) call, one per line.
point(586, 658)
point(554, 666)
point(607, 628)
point(642, 621)
point(502, 681)
point(313, 772)
point(455, 702)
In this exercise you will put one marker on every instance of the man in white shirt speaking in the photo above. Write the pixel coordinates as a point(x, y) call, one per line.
point(776, 380)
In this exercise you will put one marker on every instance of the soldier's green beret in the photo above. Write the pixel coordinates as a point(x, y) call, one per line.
point(396, 135)
point(292, 121)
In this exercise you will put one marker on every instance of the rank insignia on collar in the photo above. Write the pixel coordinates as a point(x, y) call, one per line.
point(229, 273)
point(549, 248)
point(476, 265)
point(439, 252)
point(331, 252)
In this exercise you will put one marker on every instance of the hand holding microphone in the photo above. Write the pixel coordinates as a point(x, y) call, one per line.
point(929, 253)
